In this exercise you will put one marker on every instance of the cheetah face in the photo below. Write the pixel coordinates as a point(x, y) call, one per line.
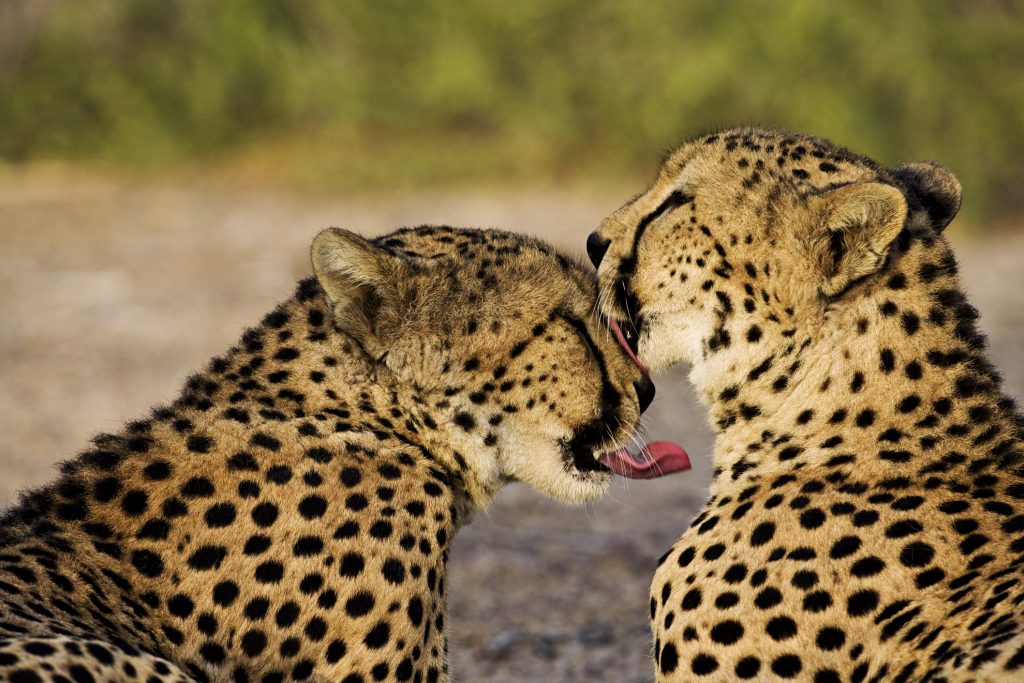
point(749, 233)
point(495, 335)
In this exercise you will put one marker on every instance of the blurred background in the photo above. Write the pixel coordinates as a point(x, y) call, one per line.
point(164, 165)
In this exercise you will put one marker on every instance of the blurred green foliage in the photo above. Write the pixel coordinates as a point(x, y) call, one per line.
point(384, 93)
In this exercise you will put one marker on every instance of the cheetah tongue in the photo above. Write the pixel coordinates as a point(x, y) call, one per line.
point(621, 338)
point(655, 460)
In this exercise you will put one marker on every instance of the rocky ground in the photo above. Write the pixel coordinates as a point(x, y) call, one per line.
point(110, 293)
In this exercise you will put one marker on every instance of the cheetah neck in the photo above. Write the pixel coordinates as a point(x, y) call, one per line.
point(895, 384)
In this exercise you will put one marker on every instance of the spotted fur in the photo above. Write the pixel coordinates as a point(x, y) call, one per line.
point(866, 517)
point(289, 515)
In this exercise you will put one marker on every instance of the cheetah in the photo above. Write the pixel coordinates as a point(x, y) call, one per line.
point(289, 516)
point(865, 520)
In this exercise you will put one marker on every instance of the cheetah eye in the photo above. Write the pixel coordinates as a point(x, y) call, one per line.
point(580, 328)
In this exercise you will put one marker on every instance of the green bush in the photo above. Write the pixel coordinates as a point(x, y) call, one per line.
point(371, 94)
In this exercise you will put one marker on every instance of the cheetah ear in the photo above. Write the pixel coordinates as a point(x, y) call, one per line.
point(359, 279)
point(858, 223)
point(935, 189)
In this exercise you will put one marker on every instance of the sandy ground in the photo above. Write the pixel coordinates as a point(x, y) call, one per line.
point(111, 293)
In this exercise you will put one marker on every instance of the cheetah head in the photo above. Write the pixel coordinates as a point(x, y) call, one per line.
point(751, 233)
point(495, 336)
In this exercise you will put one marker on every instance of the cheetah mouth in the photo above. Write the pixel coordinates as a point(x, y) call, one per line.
point(629, 340)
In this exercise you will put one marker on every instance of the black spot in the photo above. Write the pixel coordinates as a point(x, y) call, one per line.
point(727, 632)
point(917, 554)
point(287, 614)
point(781, 628)
point(148, 563)
point(845, 547)
point(335, 651)
point(897, 281)
point(790, 452)
point(197, 487)
point(134, 503)
point(180, 606)
point(253, 642)
point(381, 529)
point(903, 527)
point(465, 420)
point(805, 579)
point(313, 507)
point(199, 444)
point(888, 360)
point(279, 474)
point(929, 577)
point(269, 572)
point(768, 598)
point(857, 383)
point(735, 574)
point(865, 418)
point(256, 609)
point(909, 404)
point(762, 534)
point(861, 603)
point(225, 593)
point(818, 601)
point(692, 599)
point(393, 571)
point(378, 636)
point(220, 515)
point(264, 514)
point(350, 477)
point(306, 546)
point(787, 666)
point(207, 557)
point(704, 664)
point(256, 545)
point(389, 471)
point(356, 502)
point(812, 518)
point(830, 638)
point(669, 659)
point(351, 565)
point(157, 470)
point(265, 441)
point(242, 461)
point(748, 668)
point(286, 353)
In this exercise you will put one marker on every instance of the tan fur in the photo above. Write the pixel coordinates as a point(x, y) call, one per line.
point(865, 519)
point(289, 516)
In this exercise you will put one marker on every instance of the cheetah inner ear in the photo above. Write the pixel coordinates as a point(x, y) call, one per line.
point(858, 223)
point(358, 278)
point(935, 188)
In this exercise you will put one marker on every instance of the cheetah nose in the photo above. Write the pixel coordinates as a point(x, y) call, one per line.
point(596, 248)
point(644, 392)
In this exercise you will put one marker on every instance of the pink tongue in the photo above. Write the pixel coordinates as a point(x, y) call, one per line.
point(655, 460)
point(617, 331)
